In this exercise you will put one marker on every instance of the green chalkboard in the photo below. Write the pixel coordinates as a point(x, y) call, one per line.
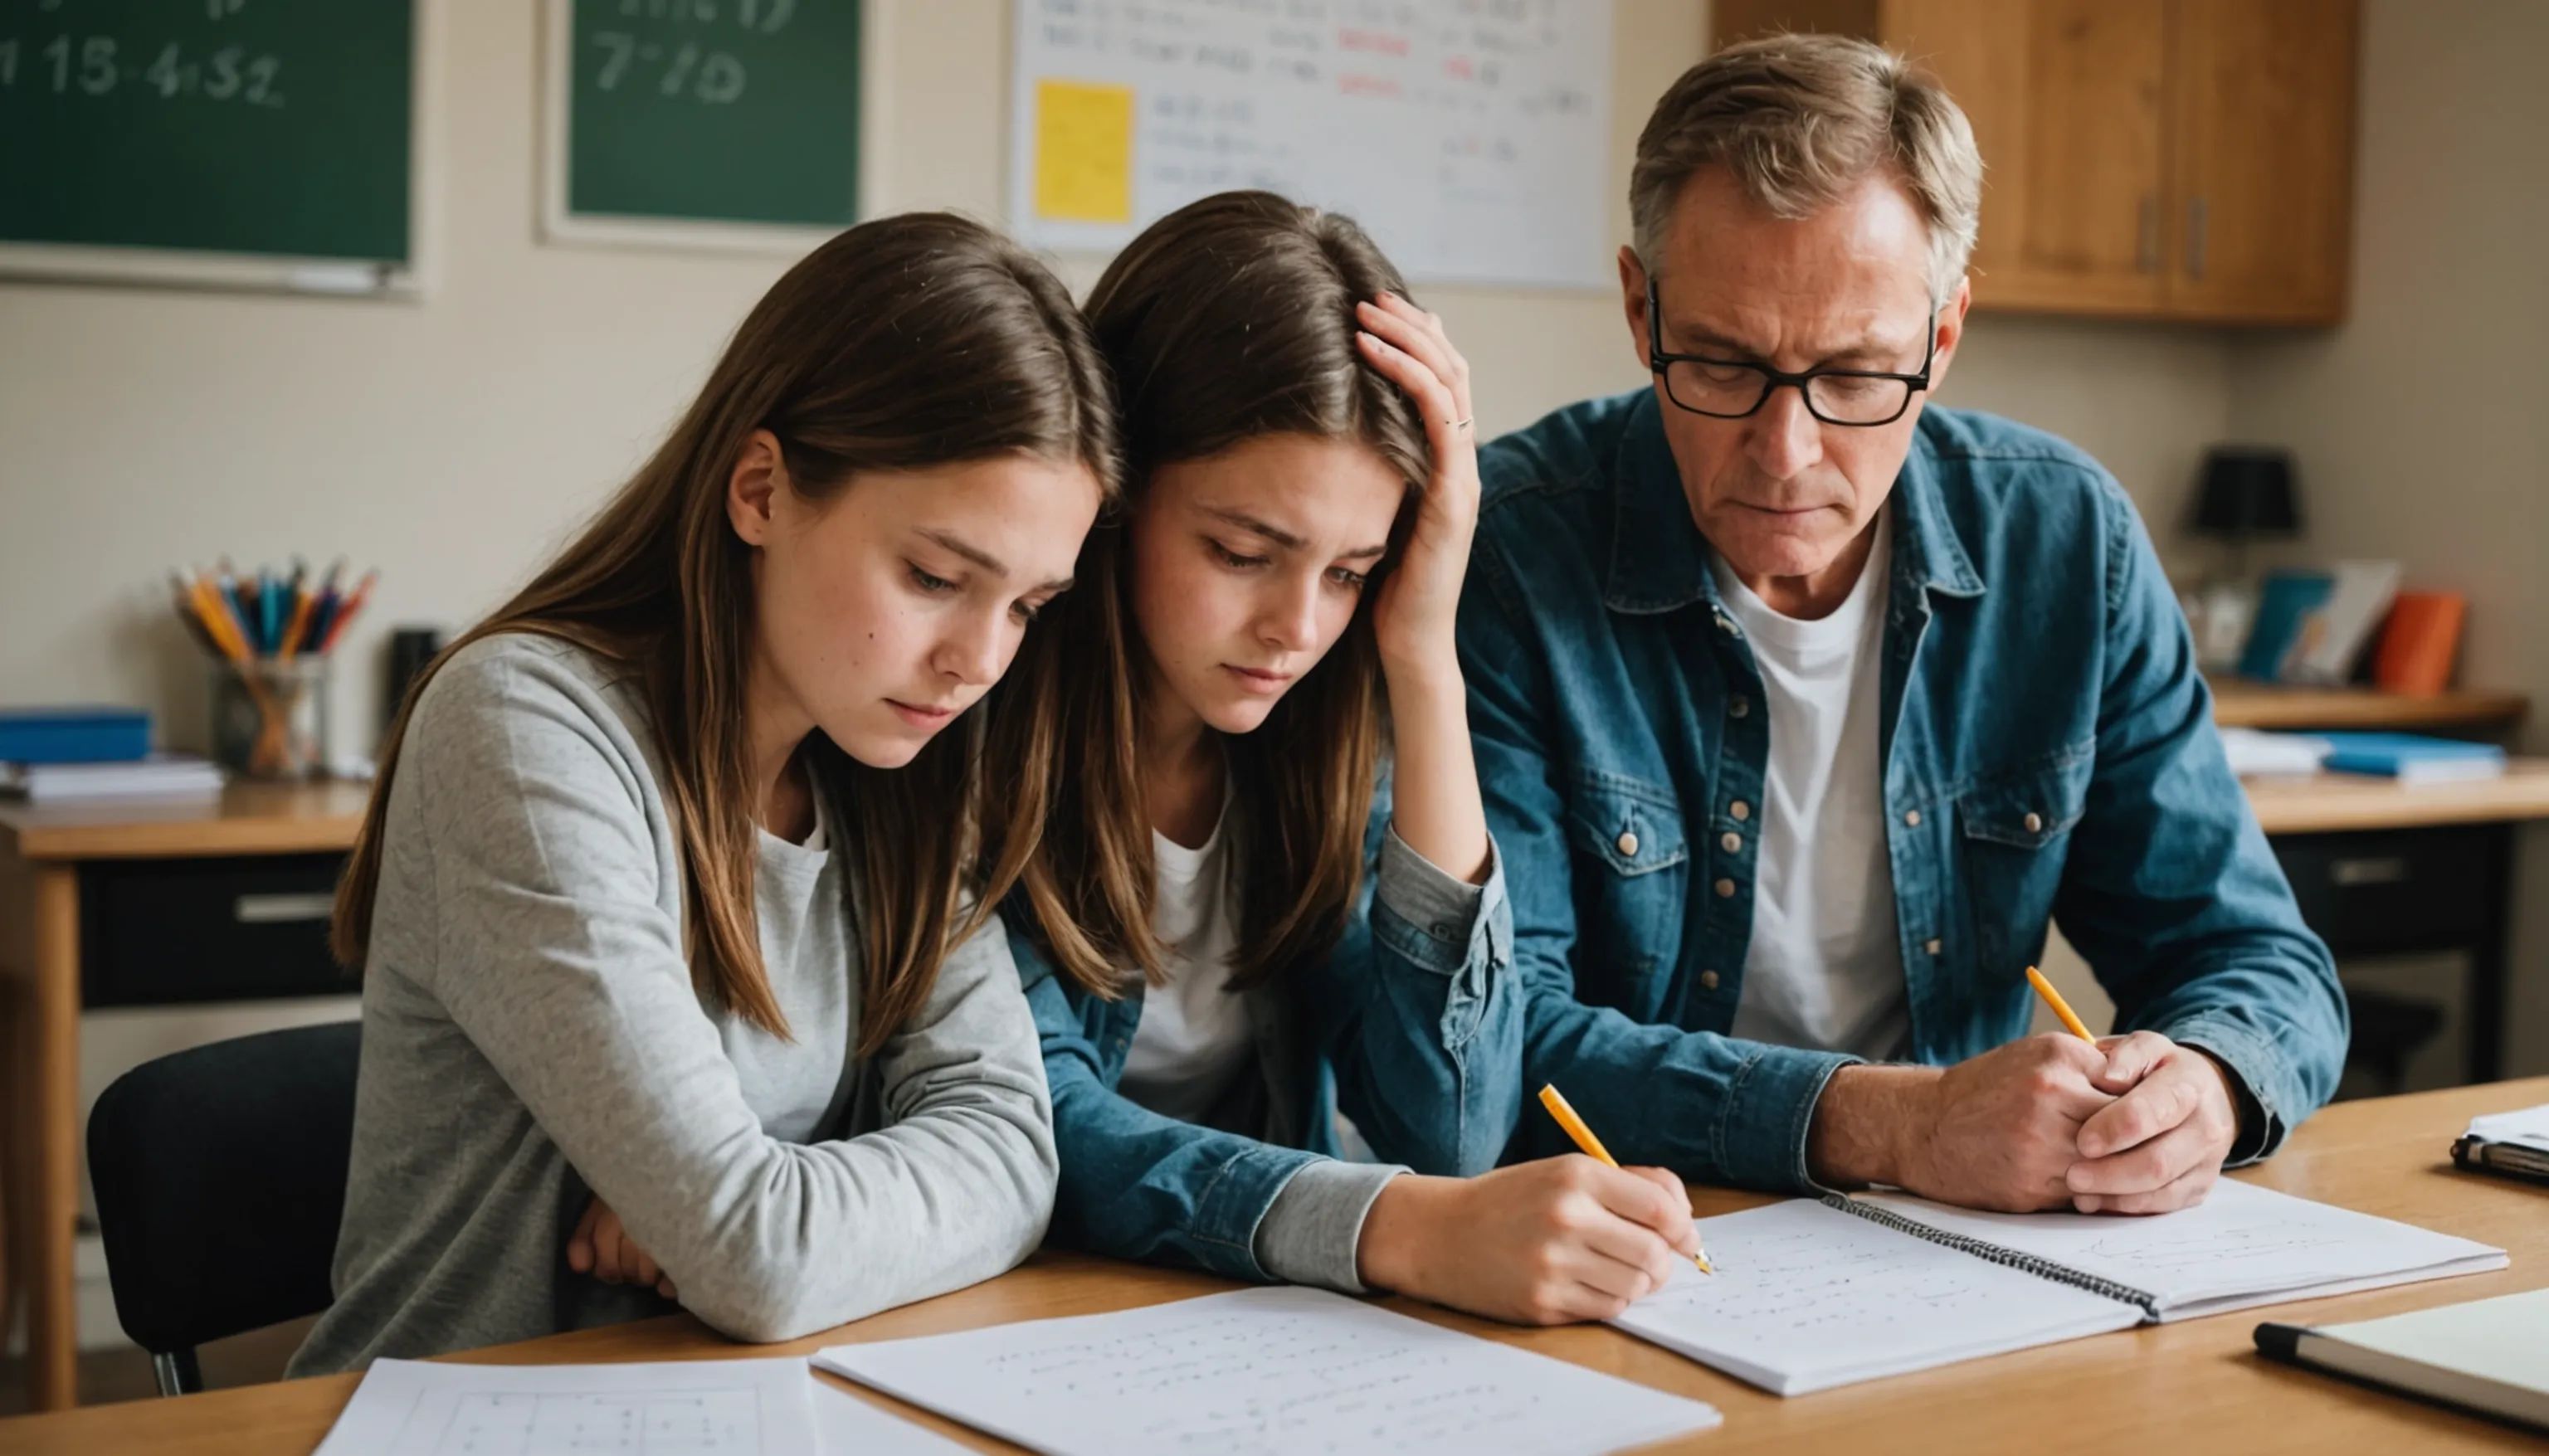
point(247, 127)
point(713, 111)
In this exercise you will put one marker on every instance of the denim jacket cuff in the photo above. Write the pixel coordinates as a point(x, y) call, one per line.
point(1225, 1216)
point(1767, 1111)
point(1442, 924)
point(2256, 1073)
point(1313, 1233)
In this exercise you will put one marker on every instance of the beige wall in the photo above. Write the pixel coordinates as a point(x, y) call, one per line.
point(453, 442)
point(2421, 427)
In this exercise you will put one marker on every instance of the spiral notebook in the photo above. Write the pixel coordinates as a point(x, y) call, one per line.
point(1811, 1295)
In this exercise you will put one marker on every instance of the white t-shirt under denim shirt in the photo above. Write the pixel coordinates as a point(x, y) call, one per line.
point(1824, 968)
point(1195, 1038)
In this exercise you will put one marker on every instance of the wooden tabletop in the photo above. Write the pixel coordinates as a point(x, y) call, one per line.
point(2186, 1387)
point(2320, 802)
point(246, 819)
point(2238, 704)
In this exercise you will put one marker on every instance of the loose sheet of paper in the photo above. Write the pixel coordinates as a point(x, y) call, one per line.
point(1807, 1297)
point(2243, 1245)
point(1273, 1370)
point(689, 1407)
point(2528, 1128)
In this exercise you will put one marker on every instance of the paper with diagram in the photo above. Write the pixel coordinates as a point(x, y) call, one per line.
point(691, 1407)
point(1810, 1295)
point(1264, 1371)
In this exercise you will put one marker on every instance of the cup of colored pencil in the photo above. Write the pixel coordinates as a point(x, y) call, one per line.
point(269, 634)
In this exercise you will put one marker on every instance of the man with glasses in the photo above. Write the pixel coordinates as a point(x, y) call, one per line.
point(1804, 706)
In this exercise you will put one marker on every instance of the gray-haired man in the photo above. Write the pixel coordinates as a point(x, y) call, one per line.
point(1803, 709)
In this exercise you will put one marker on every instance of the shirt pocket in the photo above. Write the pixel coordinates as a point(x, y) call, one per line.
point(2017, 832)
point(1629, 909)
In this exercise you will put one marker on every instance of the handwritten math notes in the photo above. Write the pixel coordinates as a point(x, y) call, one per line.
point(1808, 1296)
point(1263, 1371)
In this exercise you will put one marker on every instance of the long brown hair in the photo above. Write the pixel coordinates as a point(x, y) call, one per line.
point(903, 343)
point(1229, 320)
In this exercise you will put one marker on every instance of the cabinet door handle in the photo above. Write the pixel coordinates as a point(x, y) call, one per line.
point(2146, 237)
point(2195, 218)
point(2385, 870)
point(281, 909)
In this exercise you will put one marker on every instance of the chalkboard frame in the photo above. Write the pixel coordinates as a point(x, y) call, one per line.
point(561, 224)
point(183, 268)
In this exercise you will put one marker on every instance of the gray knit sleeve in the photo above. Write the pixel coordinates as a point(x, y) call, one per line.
point(558, 956)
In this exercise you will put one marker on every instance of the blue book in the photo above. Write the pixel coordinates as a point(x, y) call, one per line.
point(2411, 758)
point(2284, 603)
point(73, 735)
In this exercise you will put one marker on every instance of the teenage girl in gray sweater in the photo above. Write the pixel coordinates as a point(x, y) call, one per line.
point(676, 977)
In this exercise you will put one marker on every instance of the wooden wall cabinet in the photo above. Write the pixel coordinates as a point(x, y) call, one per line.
point(2144, 158)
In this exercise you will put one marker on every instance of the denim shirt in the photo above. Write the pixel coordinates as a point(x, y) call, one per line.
point(1386, 1026)
point(2049, 755)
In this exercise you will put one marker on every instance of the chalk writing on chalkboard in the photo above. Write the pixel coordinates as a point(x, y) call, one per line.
point(260, 143)
point(704, 121)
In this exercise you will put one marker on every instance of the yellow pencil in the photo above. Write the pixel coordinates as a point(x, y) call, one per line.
point(2061, 1008)
point(1556, 1102)
point(220, 624)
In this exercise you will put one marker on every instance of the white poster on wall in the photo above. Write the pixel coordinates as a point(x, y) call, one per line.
point(1471, 137)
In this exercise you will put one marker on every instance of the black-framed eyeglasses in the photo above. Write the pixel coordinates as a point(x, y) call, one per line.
point(1733, 389)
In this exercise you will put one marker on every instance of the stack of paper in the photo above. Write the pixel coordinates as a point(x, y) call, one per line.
point(2256, 753)
point(161, 776)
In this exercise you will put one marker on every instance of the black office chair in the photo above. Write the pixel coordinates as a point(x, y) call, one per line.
point(220, 1176)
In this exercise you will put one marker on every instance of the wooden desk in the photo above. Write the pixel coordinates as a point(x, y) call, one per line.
point(2323, 803)
point(41, 853)
point(2185, 1387)
point(2238, 704)
point(42, 849)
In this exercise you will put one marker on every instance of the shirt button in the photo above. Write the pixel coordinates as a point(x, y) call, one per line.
point(1734, 843)
point(1708, 980)
point(1726, 889)
point(1739, 707)
point(2034, 822)
point(1442, 929)
point(1741, 811)
point(1628, 844)
point(1912, 817)
point(1935, 947)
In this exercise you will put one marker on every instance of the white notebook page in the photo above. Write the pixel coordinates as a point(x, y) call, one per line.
point(1273, 1371)
point(2243, 1245)
point(1806, 1297)
point(698, 1407)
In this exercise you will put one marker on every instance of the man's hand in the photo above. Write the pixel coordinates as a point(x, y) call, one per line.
point(602, 1248)
point(2160, 1144)
point(1543, 1242)
point(1999, 1130)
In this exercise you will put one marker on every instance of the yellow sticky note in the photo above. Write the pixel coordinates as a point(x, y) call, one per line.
point(1084, 152)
